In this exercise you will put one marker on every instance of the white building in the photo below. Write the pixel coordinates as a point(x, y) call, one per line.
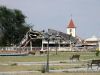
point(92, 41)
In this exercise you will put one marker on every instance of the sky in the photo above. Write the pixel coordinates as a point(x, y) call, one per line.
point(56, 14)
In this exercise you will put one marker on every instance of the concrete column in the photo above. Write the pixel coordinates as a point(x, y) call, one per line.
point(42, 46)
point(70, 46)
point(59, 45)
point(31, 45)
point(99, 45)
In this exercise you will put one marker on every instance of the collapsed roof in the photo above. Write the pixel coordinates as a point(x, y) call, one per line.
point(33, 35)
point(65, 36)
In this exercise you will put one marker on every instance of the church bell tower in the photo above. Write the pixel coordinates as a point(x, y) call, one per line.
point(71, 29)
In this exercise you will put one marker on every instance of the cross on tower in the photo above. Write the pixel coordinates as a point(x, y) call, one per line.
point(71, 16)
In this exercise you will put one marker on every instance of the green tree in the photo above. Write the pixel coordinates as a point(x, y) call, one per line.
point(12, 25)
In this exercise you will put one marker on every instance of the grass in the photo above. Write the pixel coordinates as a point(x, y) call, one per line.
point(52, 57)
point(35, 67)
point(4, 68)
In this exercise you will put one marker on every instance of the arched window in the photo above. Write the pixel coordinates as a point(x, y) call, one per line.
point(70, 30)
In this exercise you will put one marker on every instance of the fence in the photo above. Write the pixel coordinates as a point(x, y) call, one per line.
point(39, 48)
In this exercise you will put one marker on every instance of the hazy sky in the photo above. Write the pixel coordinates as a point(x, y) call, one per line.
point(56, 14)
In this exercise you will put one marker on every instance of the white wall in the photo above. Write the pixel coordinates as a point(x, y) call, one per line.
point(99, 44)
point(73, 31)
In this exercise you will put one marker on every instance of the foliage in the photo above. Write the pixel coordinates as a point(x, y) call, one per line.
point(97, 53)
point(14, 64)
point(12, 25)
point(43, 69)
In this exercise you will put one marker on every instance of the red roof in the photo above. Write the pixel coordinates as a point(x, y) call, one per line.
point(71, 24)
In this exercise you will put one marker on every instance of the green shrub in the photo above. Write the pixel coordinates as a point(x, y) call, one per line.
point(14, 64)
point(43, 69)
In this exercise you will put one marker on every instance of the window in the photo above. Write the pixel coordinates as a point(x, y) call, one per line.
point(70, 30)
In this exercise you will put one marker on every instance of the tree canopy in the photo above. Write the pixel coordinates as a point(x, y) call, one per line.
point(12, 26)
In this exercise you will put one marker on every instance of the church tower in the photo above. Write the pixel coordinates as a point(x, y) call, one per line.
point(71, 29)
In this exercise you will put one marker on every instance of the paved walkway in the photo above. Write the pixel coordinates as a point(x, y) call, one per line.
point(78, 70)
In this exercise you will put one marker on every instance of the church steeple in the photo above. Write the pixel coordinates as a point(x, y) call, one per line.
point(71, 29)
point(71, 24)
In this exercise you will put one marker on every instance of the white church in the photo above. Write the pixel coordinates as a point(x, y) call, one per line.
point(90, 42)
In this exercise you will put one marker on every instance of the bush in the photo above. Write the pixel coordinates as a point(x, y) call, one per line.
point(14, 64)
point(43, 69)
